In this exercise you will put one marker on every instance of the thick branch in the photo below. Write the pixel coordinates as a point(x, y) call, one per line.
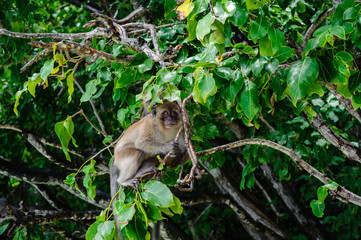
point(226, 187)
point(341, 192)
point(96, 33)
point(34, 215)
point(37, 138)
point(49, 177)
point(351, 151)
point(253, 230)
point(33, 140)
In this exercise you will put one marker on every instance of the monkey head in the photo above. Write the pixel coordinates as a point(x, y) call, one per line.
point(169, 114)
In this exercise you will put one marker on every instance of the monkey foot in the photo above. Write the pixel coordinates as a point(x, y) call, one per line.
point(133, 183)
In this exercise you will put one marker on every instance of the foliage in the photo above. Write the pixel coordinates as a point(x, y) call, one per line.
point(245, 62)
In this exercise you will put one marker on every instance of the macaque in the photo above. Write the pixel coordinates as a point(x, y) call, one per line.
point(135, 154)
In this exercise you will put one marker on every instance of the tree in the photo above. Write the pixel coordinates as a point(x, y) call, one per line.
point(271, 96)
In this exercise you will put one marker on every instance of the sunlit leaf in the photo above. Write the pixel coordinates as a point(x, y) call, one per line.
point(300, 77)
point(158, 194)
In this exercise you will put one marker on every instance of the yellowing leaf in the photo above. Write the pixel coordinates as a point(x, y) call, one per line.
point(185, 9)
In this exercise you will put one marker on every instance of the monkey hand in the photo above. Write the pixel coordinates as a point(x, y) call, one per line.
point(175, 144)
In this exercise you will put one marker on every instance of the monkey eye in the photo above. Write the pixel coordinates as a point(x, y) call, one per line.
point(165, 113)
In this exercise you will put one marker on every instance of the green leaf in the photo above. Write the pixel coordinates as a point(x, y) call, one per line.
point(224, 72)
point(332, 185)
point(116, 50)
point(258, 29)
point(171, 93)
point(138, 59)
point(17, 97)
point(122, 115)
point(322, 193)
point(338, 31)
point(204, 26)
point(158, 194)
point(90, 90)
point(265, 47)
point(191, 27)
point(217, 37)
point(351, 13)
point(167, 211)
point(300, 77)
point(199, 6)
point(322, 30)
point(248, 169)
point(70, 179)
point(33, 82)
point(177, 208)
point(136, 230)
point(169, 5)
point(224, 10)
point(205, 87)
point(249, 100)
point(92, 231)
point(343, 56)
point(47, 69)
point(125, 212)
point(166, 76)
point(146, 66)
point(355, 82)
point(257, 65)
point(240, 16)
point(142, 211)
point(255, 4)
point(284, 53)
point(328, 69)
point(235, 85)
point(70, 84)
point(277, 38)
point(3, 227)
point(126, 77)
point(106, 230)
point(170, 177)
point(65, 130)
point(317, 208)
point(154, 213)
point(272, 66)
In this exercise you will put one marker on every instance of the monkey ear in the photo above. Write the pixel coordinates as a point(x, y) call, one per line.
point(154, 109)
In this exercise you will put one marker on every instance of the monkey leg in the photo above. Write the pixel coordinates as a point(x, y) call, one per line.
point(128, 162)
point(147, 169)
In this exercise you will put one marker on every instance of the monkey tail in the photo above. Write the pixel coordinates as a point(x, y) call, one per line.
point(114, 173)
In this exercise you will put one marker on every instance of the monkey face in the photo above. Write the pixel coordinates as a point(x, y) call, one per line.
point(169, 114)
point(170, 118)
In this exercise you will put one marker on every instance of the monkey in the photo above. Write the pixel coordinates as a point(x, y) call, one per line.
point(136, 151)
point(135, 154)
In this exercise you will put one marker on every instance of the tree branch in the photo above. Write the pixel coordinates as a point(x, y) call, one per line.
point(93, 107)
point(49, 177)
point(37, 139)
point(313, 26)
point(351, 151)
point(345, 102)
point(341, 192)
point(226, 187)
